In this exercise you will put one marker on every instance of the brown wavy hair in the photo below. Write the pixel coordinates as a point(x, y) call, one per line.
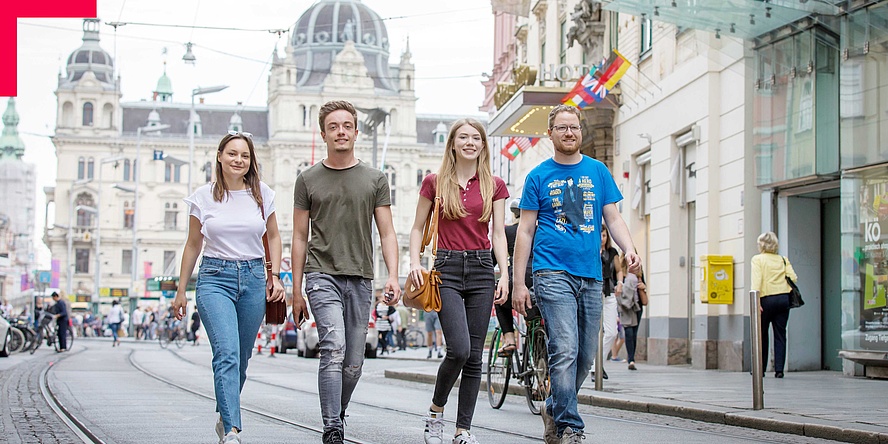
point(448, 184)
point(220, 188)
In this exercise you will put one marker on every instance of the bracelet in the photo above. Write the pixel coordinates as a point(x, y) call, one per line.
point(277, 275)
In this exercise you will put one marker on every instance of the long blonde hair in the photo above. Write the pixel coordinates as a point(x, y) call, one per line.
point(448, 184)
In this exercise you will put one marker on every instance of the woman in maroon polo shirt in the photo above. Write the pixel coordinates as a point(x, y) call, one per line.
point(472, 198)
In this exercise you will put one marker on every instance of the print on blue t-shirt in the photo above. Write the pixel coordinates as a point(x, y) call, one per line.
point(569, 200)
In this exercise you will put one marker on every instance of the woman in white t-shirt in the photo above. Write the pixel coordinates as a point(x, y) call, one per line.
point(227, 219)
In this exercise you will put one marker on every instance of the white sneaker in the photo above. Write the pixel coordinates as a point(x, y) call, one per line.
point(465, 437)
point(220, 429)
point(231, 438)
point(434, 428)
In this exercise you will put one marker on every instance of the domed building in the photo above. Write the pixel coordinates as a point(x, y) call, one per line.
point(337, 50)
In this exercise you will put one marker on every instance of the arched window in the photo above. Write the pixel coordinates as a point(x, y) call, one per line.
point(171, 211)
point(126, 170)
point(84, 215)
point(419, 177)
point(409, 83)
point(68, 115)
point(392, 180)
point(81, 168)
point(303, 111)
point(90, 168)
point(88, 114)
point(108, 116)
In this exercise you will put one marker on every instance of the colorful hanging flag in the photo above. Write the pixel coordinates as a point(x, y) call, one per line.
point(518, 145)
point(613, 69)
point(595, 85)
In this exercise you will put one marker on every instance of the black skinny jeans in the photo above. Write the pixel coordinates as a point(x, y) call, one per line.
point(467, 286)
point(632, 336)
point(775, 311)
point(504, 311)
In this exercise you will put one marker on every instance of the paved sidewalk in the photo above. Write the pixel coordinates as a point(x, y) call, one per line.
point(816, 404)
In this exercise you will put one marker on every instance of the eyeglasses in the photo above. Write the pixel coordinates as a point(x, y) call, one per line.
point(563, 128)
point(241, 133)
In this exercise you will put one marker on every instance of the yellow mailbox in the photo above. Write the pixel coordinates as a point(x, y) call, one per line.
point(717, 280)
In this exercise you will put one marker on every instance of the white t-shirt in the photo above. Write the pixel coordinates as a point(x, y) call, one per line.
point(233, 228)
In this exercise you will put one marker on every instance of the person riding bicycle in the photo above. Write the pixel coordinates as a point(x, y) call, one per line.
point(504, 310)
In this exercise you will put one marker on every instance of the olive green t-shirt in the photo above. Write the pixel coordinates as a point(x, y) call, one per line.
point(340, 205)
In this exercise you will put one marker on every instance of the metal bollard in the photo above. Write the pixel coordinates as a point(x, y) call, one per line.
point(599, 356)
point(755, 336)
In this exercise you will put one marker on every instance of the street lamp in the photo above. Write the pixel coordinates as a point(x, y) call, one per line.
point(194, 93)
point(98, 278)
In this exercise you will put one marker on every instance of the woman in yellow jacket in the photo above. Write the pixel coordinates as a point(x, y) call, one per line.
point(768, 277)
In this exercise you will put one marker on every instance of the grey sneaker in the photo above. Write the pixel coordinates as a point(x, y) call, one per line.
point(550, 435)
point(332, 436)
point(231, 438)
point(571, 437)
point(434, 428)
point(465, 437)
point(220, 429)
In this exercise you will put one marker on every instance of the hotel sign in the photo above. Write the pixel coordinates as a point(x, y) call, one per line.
point(525, 75)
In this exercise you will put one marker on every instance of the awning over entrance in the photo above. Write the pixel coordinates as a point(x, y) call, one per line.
point(527, 112)
point(736, 18)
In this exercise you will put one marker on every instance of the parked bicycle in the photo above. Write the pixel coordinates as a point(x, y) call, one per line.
point(528, 364)
point(415, 338)
point(171, 331)
point(47, 330)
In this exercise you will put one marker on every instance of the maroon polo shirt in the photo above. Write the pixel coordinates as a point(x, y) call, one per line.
point(466, 233)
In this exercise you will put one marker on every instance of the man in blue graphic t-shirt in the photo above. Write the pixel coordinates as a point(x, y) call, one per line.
point(563, 203)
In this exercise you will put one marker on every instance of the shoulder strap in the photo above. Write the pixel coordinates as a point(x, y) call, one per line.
point(265, 245)
point(430, 230)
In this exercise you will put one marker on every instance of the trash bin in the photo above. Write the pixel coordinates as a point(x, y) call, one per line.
point(717, 280)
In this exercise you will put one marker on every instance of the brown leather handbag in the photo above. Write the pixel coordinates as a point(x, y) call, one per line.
point(427, 297)
point(275, 311)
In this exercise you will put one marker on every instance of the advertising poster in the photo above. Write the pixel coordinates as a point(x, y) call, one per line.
point(873, 268)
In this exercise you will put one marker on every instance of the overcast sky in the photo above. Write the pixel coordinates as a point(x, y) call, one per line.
point(451, 43)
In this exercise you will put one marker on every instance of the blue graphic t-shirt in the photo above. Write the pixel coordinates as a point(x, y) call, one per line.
point(569, 200)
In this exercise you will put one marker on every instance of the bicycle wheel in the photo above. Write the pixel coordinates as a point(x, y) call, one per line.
point(163, 337)
point(70, 338)
point(16, 340)
point(415, 339)
point(54, 337)
point(37, 341)
point(180, 337)
point(537, 384)
point(499, 370)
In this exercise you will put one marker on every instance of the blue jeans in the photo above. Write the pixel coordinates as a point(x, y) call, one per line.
point(114, 326)
point(231, 302)
point(467, 286)
point(571, 309)
point(341, 309)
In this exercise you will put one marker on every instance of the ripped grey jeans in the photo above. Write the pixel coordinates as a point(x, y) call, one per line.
point(341, 309)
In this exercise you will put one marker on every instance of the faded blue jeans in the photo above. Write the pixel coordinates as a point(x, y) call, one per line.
point(341, 309)
point(231, 302)
point(571, 309)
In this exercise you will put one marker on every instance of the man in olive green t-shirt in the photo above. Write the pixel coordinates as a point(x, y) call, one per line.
point(340, 196)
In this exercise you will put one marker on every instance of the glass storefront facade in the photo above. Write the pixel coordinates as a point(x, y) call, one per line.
point(863, 115)
point(796, 131)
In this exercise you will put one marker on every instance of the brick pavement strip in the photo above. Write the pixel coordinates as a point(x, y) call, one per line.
point(24, 415)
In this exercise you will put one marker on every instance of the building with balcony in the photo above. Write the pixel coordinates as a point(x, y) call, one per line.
point(736, 119)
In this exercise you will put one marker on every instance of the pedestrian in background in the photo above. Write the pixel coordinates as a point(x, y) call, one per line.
point(60, 312)
point(137, 320)
point(472, 199)
point(115, 320)
point(769, 272)
point(504, 308)
point(384, 316)
point(632, 298)
point(341, 196)
point(403, 318)
point(6, 309)
point(195, 325)
point(227, 219)
point(434, 335)
point(567, 279)
point(612, 281)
